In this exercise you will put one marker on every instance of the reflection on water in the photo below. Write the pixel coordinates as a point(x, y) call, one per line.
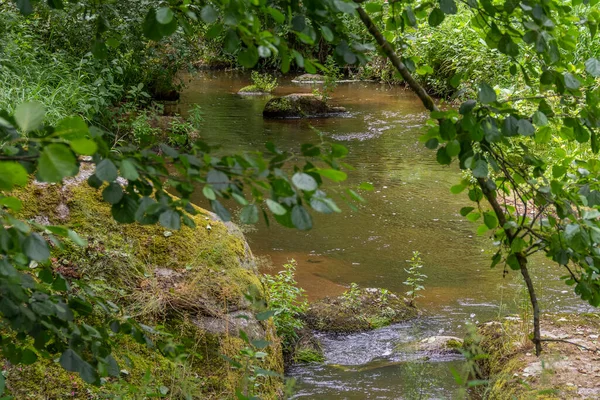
point(410, 209)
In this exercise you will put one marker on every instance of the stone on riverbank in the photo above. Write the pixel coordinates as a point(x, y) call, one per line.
point(359, 310)
point(300, 105)
point(440, 345)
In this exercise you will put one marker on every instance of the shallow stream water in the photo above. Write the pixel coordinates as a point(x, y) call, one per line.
point(411, 209)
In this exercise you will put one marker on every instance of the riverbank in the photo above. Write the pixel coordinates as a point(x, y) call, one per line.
point(568, 368)
point(190, 286)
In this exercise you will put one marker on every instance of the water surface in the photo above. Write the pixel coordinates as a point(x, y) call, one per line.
point(411, 209)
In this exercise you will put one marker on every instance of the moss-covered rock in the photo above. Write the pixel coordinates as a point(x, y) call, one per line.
point(359, 310)
point(193, 282)
point(300, 105)
point(440, 345)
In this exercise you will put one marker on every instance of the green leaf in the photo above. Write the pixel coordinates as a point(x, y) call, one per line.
point(333, 174)
point(265, 315)
point(467, 107)
point(486, 93)
point(151, 27)
point(76, 238)
point(71, 361)
point(56, 162)
point(86, 147)
point(442, 156)
point(12, 174)
point(217, 179)
point(466, 211)
point(327, 34)
point(249, 214)
point(170, 219)
point(72, 128)
point(436, 17)
point(209, 14)
point(36, 248)
point(481, 169)
point(124, 211)
point(113, 193)
point(209, 193)
point(490, 220)
point(456, 189)
point(571, 81)
point(221, 211)
point(29, 116)
point(106, 170)
point(275, 207)
point(592, 67)
point(525, 128)
point(540, 119)
point(577, 238)
point(453, 148)
point(248, 57)
point(301, 218)
point(129, 171)
point(448, 6)
point(164, 15)
point(12, 203)
point(277, 15)
point(347, 7)
point(366, 186)
point(373, 7)
point(304, 181)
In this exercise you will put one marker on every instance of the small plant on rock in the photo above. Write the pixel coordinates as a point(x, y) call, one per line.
point(415, 278)
point(351, 297)
point(261, 83)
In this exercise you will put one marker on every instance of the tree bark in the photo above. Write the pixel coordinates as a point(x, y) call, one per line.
point(396, 61)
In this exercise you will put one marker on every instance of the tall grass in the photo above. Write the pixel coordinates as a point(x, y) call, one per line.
point(29, 71)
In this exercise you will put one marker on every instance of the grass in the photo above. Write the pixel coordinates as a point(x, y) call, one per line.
point(64, 84)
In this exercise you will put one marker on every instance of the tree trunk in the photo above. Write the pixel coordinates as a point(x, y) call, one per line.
point(537, 338)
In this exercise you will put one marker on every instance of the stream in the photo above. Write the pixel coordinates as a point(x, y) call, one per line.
point(411, 209)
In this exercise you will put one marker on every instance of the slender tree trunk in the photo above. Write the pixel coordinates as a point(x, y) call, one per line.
point(537, 338)
point(522, 259)
point(388, 50)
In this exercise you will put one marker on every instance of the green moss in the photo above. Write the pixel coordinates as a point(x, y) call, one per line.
point(168, 279)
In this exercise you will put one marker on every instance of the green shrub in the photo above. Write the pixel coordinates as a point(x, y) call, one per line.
point(287, 300)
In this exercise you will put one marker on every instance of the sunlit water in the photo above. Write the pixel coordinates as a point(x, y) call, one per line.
point(411, 209)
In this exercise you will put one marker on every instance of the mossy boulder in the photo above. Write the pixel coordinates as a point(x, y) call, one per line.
point(300, 105)
point(193, 282)
point(358, 310)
